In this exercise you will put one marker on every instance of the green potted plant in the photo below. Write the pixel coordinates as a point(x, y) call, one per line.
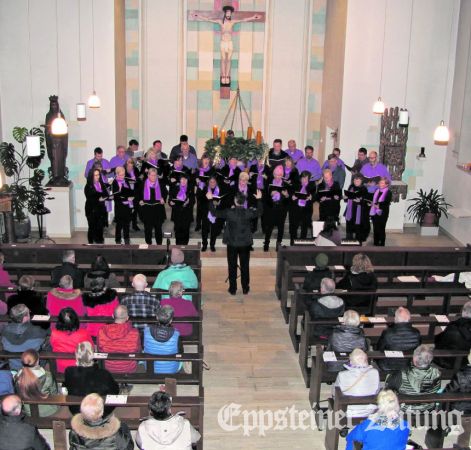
point(22, 184)
point(428, 207)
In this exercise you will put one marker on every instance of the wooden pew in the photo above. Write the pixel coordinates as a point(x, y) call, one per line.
point(380, 256)
point(341, 402)
point(386, 278)
point(427, 326)
point(439, 300)
point(319, 373)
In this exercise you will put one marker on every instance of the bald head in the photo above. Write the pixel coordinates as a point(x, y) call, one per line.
point(121, 314)
point(11, 405)
point(139, 282)
point(402, 315)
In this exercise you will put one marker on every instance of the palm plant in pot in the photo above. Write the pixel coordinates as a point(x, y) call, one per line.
point(428, 207)
point(22, 184)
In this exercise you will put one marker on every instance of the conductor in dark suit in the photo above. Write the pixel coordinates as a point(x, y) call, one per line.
point(238, 237)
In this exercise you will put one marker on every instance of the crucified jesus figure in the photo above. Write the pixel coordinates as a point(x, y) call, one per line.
point(227, 24)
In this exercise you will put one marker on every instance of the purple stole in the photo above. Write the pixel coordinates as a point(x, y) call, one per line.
point(202, 172)
point(97, 187)
point(182, 193)
point(260, 176)
point(277, 195)
point(349, 211)
point(244, 191)
point(302, 202)
point(374, 210)
point(121, 184)
point(156, 186)
point(211, 217)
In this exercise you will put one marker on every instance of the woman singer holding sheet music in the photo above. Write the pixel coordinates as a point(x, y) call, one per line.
point(300, 209)
point(132, 177)
point(182, 199)
point(328, 195)
point(95, 209)
point(379, 211)
point(152, 207)
point(123, 197)
point(203, 173)
point(357, 212)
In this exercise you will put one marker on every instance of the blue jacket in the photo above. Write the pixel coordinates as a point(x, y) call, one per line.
point(177, 272)
point(162, 341)
point(375, 437)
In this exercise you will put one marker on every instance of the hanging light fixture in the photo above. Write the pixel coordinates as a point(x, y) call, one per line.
point(80, 107)
point(81, 111)
point(441, 136)
point(403, 112)
point(93, 100)
point(378, 106)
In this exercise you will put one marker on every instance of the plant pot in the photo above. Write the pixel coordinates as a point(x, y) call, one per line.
point(22, 229)
point(430, 220)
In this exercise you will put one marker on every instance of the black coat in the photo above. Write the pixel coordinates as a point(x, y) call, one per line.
point(16, 434)
point(345, 338)
point(461, 382)
point(122, 211)
point(327, 307)
point(312, 281)
point(34, 302)
point(457, 336)
point(329, 208)
point(364, 281)
point(67, 269)
point(153, 211)
point(182, 213)
point(94, 208)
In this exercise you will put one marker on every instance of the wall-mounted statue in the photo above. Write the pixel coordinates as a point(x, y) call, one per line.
point(56, 147)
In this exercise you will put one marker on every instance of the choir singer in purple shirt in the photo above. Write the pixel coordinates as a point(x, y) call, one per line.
point(374, 169)
point(310, 164)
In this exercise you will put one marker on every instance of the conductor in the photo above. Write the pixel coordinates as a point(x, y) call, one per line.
point(238, 236)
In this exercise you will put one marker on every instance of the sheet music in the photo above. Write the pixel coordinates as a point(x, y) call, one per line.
point(408, 279)
point(339, 267)
point(329, 357)
point(41, 317)
point(143, 246)
point(376, 319)
point(393, 354)
point(310, 268)
point(116, 399)
point(317, 227)
point(100, 355)
point(120, 290)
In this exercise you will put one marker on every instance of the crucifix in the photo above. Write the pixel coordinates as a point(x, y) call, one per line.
point(226, 19)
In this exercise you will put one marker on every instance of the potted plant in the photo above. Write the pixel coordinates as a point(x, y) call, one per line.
point(23, 185)
point(428, 207)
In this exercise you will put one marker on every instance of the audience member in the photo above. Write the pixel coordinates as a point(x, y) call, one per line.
point(164, 430)
point(92, 429)
point(65, 296)
point(33, 382)
point(384, 429)
point(15, 433)
point(141, 303)
point(361, 277)
point(358, 380)
point(68, 267)
point(163, 339)
point(312, 281)
point(181, 307)
point(119, 337)
point(99, 302)
point(328, 306)
point(66, 336)
point(86, 377)
point(5, 280)
point(330, 236)
point(101, 269)
point(20, 334)
point(6, 379)
point(457, 336)
point(401, 336)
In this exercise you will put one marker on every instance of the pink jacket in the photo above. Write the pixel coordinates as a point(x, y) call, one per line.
point(100, 304)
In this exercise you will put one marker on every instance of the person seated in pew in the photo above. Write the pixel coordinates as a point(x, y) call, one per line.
point(93, 429)
point(328, 306)
point(5, 280)
point(119, 337)
point(359, 379)
point(329, 236)
point(181, 307)
point(33, 382)
point(65, 296)
point(163, 339)
point(457, 336)
point(66, 336)
point(141, 303)
point(86, 377)
point(101, 268)
point(164, 430)
point(361, 277)
point(26, 295)
point(345, 338)
point(101, 301)
point(15, 433)
point(401, 336)
point(177, 270)
point(20, 334)
point(383, 429)
point(312, 281)
point(68, 267)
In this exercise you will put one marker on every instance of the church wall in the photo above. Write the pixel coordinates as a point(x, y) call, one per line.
point(15, 78)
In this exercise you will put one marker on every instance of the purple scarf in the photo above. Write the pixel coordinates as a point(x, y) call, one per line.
point(147, 186)
point(122, 183)
point(98, 187)
point(202, 172)
point(231, 169)
point(245, 192)
point(349, 211)
point(374, 210)
point(260, 177)
point(182, 193)
point(287, 172)
point(215, 192)
point(276, 196)
point(302, 202)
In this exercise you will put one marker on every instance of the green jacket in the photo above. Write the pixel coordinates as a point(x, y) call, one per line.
point(177, 272)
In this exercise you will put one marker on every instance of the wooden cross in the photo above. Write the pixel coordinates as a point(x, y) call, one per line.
point(226, 16)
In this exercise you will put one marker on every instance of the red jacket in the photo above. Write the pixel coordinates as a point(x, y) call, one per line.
point(100, 304)
point(119, 338)
point(66, 342)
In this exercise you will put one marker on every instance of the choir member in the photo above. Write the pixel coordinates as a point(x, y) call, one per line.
point(150, 162)
point(336, 152)
point(212, 226)
point(309, 163)
point(338, 171)
point(276, 207)
point(359, 162)
point(123, 197)
point(182, 199)
point(203, 173)
point(357, 212)
point(328, 196)
point(157, 146)
point(379, 211)
point(300, 209)
point(95, 209)
point(97, 158)
point(259, 174)
point(152, 207)
point(291, 175)
point(177, 171)
point(245, 187)
point(294, 153)
point(229, 174)
point(190, 161)
point(119, 160)
point(373, 171)
point(276, 155)
point(132, 177)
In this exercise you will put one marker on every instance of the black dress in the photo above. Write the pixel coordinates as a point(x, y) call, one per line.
point(329, 207)
point(379, 218)
point(152, 212)
point(122, 210)
point(274, 214)
point(201, 182)
point(357, 214)
point(182, 213)
point(95, 211)
point(212, 226)
point(300, 211)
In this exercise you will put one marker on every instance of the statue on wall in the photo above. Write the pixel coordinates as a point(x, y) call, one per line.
point(56, 147)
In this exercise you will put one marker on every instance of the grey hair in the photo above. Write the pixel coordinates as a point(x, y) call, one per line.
point(423, 356)
point(18, 312)
point(176, 289)
point(351, 318)
point(165, 315)
point(358, 358)
point(327, 286)
point(139, 282)
point(402, 315)
point(68, 256)
point(466, 311)
point(26, 282)
point(92, 407)
point(121, 314)
point(66, 282)
point(84, 354)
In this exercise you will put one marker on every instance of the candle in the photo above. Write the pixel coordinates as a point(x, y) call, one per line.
point(249, 133)
point(258, 139)
point(215, 131)
point(223, 137)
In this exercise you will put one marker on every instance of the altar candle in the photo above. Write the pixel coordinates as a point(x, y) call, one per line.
point(258, 139)
point(249, 133)
point(223, 137)
point(215, 131)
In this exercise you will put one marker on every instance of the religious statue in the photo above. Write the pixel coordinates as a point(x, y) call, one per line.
point(56, 147)
point(226, 22)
